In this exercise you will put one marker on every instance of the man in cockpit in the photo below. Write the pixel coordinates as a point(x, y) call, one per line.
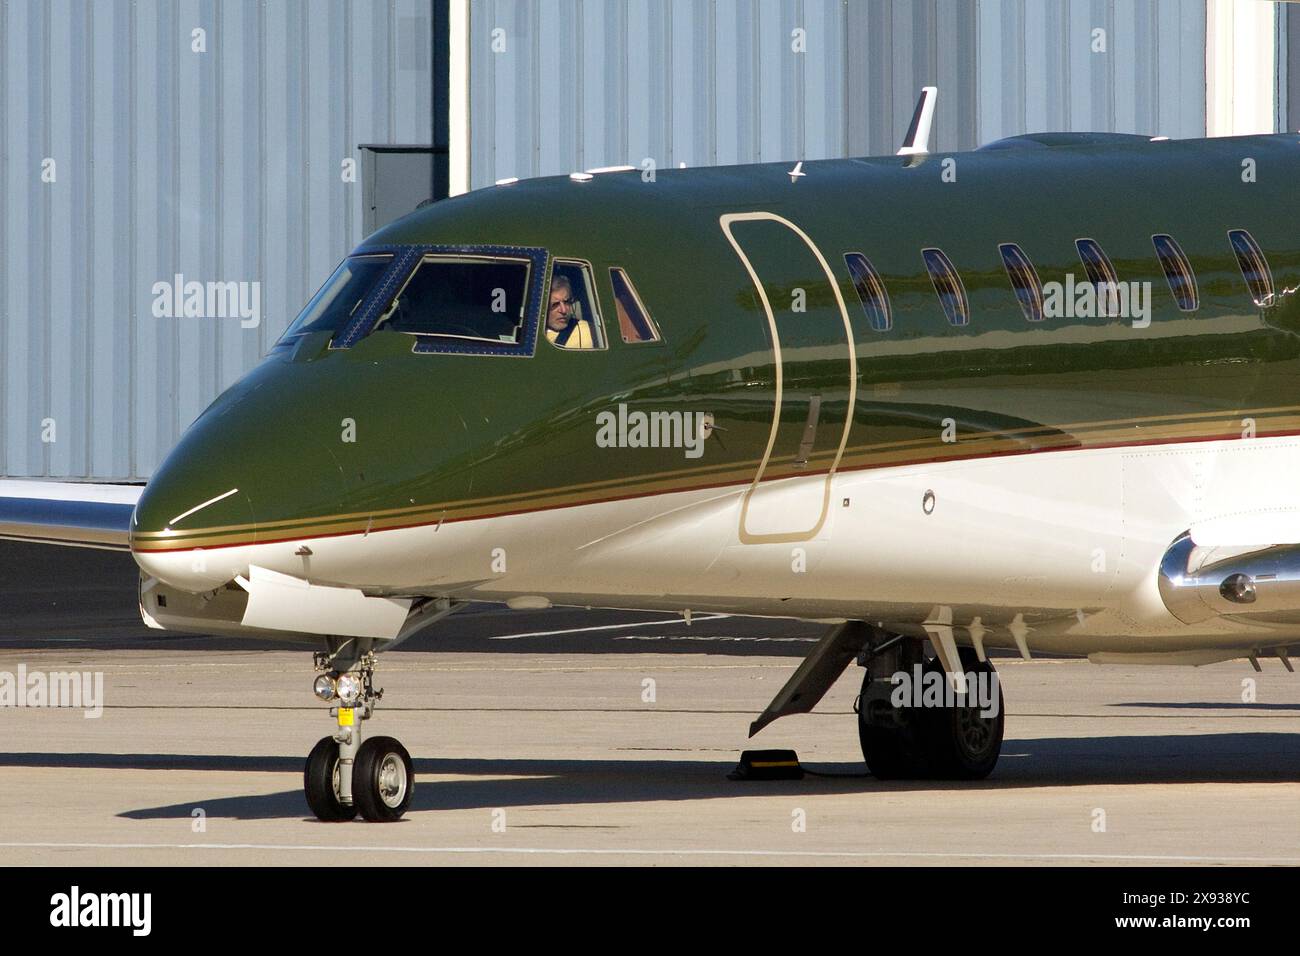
point(563, 327)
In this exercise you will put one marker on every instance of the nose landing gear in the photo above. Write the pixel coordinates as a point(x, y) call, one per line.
point(345, 775)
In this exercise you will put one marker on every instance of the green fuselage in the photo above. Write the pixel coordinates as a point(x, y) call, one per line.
point(450, 437)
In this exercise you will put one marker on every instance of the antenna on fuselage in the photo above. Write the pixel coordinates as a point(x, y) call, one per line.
point(917, 140)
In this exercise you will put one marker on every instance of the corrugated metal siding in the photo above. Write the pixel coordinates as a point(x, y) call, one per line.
point(584, 83)
point(1289, 68)
point(221, 166)
point(1038, 69)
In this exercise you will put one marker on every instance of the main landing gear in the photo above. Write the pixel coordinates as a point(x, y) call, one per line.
point(914, 724)
point(344, 774)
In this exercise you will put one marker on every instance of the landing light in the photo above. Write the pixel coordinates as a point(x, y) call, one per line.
point(324, 687)
point(349, 688)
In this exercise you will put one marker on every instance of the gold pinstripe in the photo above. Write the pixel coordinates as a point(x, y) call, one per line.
point(1173, 427)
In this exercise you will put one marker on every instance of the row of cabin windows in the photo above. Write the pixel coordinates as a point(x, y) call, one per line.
point(1098, 268)
point(481, 301)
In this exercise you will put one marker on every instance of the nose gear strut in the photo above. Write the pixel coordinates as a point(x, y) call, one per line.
point(344, 774)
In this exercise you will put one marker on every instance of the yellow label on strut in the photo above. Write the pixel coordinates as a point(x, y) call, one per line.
point(345, 716)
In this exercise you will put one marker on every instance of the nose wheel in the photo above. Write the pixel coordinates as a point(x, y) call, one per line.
point(382, 780)
point(344, 775)
point(321, 783)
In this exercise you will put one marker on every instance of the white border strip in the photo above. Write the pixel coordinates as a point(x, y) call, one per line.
point(1240, 55)
point(458, 141)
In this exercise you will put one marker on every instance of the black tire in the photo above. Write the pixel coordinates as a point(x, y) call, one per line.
point(890, 755)
point(893, 752)
point(382, 780)
point(963, 744)
point(320, 783)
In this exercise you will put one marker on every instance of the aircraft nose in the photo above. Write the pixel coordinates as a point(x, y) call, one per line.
point(181, 531)
point(256, 468)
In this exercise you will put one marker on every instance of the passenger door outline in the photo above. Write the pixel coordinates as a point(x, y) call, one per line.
point(746, 537)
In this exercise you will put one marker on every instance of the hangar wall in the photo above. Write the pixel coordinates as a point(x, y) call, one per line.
point(223, 164)
point(729, 81)
point(218, 160)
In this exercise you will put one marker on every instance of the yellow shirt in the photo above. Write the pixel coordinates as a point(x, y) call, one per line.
point(579, 338)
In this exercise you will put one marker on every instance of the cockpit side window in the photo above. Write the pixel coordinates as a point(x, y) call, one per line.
point(572, 318)
point(477, 300)
point(335, 303)
point(634, 322)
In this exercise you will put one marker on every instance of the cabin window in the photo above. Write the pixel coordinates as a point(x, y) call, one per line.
point(634, 322)
point(871, 291)
point(1178, 272)
point(572, 320)
point(1101, 273)
point(334, 304)
point(1096, 264)
point(1254, 267)
point(473, 299)
point(948, 286)
point(1024, 280)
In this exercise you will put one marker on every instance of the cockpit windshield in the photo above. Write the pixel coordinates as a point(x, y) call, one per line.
point(462, 297)
point(338, 299)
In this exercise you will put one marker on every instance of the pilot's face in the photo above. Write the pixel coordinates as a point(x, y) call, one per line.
point(559, 310)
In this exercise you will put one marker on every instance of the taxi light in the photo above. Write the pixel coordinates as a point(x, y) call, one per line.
point(324, 687)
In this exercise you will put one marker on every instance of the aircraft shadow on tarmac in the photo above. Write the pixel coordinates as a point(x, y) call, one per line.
point(1044, 762)
point(1205, 705)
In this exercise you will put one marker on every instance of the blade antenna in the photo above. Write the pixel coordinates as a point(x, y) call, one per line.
point(917, 141)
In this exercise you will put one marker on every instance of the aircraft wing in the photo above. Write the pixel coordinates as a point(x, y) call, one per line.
point(77, 514)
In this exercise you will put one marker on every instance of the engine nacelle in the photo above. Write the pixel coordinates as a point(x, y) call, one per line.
point(1260, 586)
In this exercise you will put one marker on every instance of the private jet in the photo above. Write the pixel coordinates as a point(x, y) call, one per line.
point(1042, 397)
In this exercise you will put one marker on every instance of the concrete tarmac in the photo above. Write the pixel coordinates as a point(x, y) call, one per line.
point(538, 743)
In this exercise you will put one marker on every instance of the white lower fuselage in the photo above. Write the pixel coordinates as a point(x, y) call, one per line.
point(1063, 546)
